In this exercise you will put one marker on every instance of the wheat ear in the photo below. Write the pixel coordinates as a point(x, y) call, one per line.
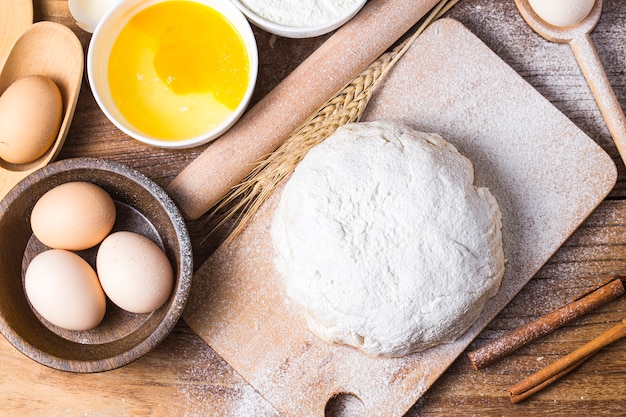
point(347, 106)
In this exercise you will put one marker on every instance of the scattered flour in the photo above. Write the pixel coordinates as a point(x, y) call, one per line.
point(210, 387)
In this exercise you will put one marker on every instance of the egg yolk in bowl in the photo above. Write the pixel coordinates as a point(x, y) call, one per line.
point(177, 70)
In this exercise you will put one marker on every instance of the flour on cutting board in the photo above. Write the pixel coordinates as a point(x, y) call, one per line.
point(546, 174)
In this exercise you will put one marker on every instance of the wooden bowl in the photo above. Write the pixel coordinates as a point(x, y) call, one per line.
point(122, 337)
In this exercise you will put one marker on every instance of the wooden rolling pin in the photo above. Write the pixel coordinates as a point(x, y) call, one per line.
point(228, 160)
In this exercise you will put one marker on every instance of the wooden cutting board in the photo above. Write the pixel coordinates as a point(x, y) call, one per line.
point(546, 174)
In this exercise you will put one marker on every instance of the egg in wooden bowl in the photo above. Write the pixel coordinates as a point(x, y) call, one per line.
point(44, 311)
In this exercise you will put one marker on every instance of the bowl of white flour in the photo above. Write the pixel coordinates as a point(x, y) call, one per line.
point(299, 18)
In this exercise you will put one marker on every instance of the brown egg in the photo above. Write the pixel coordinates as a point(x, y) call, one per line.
point(134, 272)
point(31, 110)
point(64, 289)
point(73, 216)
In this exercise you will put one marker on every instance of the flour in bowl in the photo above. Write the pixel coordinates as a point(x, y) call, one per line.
point(384, 242)
point(300, 13)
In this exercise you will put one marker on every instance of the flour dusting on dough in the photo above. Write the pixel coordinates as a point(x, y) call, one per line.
point(384, 241)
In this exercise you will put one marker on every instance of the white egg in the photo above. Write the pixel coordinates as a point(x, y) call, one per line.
point(64, 289)
point(562, 13)
point(88, 13)
point(134, 272)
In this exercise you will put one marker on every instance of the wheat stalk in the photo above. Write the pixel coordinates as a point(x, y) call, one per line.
point(347, 106)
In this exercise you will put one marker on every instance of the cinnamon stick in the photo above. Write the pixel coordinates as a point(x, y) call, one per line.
point(546, 324)
point(566, 364)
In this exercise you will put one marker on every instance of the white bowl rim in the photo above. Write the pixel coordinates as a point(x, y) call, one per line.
point(84, 19)
point(299, 31)
point(241, 25)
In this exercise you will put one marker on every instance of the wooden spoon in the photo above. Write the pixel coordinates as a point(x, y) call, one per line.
point(53, 50)
point(578, 38)
point(15, 17)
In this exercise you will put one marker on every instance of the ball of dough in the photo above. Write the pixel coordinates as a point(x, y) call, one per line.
point(384, 242)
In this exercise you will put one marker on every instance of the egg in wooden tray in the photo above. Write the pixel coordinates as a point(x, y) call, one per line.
point(39, 86)
point(31, 110)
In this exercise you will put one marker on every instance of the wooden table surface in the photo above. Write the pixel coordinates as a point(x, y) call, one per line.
point(185, 377)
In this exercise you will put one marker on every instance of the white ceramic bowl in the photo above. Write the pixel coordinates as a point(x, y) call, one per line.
point(307, 31)
point(105, 35)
